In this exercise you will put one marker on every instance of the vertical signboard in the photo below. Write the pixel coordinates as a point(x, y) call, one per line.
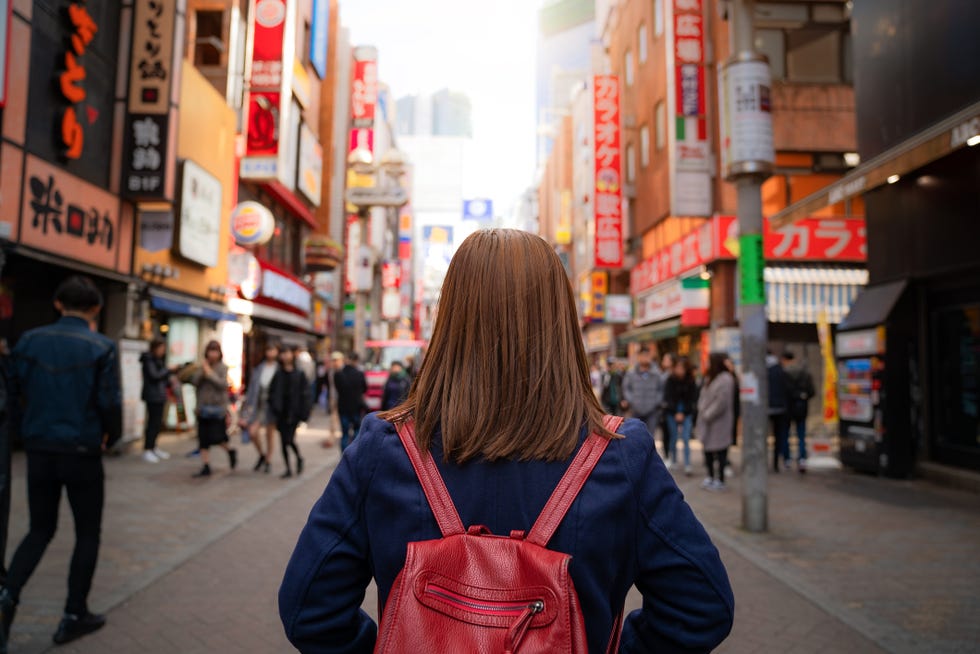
point(319, 29)
point(199, 238)
point(608, 201)
point(148, 161)
point(265, 91)
point(690, 148)
point(363, 98)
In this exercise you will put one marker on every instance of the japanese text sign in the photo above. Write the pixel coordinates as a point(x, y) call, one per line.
point(608, 200)
point(72, 78)
point(262, 138)
point(145, 160)
point(67, 216)
point(364, 86)
point(151, 58)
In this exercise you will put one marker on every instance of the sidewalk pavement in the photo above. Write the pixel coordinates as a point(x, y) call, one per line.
point(851, 563)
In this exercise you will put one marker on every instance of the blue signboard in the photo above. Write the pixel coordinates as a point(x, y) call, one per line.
point(478, 209)
point(318, 36)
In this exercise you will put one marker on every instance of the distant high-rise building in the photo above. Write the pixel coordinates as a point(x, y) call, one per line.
point(451, 114)
point(445, 113)
point(566, 31)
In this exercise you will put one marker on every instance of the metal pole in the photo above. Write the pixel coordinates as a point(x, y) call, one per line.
point(360, 296)
point(752, 315)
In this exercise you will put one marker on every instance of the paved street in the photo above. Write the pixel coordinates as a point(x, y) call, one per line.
point(851, 564)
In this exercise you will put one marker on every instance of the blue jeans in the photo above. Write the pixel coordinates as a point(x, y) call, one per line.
point(800, 436)
point(685, 434)
point(350, 424)
point(780, 430)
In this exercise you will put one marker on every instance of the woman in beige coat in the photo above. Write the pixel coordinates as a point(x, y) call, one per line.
point(716, 415)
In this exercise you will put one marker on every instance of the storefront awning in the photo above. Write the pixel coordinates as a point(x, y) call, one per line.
point(798, 295)
point(959, 130)
point(873, 305)
point(256, 310)
point(185, 306)
point(655, 332)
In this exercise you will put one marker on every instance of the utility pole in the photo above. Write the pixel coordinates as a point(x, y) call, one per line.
point(360, 293)
point(747, 160)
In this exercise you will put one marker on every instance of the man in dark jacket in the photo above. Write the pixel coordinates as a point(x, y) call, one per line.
point(800, 391)
point(351, 386)
point(65, 393)
point(778, 411)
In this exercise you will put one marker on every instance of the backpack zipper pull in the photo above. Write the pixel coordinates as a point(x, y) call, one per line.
point(517, 631)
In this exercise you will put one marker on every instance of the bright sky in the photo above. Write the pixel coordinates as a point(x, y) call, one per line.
point(483, 49)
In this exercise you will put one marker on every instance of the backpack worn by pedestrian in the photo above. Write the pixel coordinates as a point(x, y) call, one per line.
point(473, 591)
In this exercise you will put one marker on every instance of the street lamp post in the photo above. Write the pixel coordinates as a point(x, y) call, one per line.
point(391, 166)
point(747, 160)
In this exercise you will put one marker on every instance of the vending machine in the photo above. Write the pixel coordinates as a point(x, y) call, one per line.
point(860, 397)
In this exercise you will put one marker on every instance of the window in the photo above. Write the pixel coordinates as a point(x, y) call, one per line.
point(658, 17)
point(813, 55)
point(630, 164)
point(209, 41)
point(644, 146)
point(628, 67)
point(641, 43)
point(660, 124)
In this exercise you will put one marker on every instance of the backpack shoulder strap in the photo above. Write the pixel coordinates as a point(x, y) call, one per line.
point(571, 483)
point(432, 484)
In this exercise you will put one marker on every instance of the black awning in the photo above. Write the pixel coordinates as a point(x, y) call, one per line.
point(873, 305)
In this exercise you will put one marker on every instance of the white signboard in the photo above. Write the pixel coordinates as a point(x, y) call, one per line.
point(310, 165)
point(619, 308)
point(200, 215)
point(746, 122)
point(659, 303)
point(283, 289)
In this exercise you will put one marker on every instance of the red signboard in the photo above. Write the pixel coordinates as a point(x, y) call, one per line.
point(837, 240)
point(391, 274)
point(266, 80)
point(608, 185)
point(364, 92)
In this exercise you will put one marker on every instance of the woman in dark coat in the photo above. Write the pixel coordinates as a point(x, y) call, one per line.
point(502, 405)
point(290, 402)
point(681, 398)
point(156, 377)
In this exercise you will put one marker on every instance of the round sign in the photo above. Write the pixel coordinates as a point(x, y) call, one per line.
point(269, 13)
point(252, 224)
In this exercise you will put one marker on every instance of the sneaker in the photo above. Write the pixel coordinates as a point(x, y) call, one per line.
point(203, 472)
point(688, 471)
point(161, 454)
point(73, 627)
point(802, 466)
point(707, 482)
point(717, 486)
point(150, 457)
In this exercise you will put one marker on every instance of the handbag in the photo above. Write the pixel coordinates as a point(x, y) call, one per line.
point(211, 411)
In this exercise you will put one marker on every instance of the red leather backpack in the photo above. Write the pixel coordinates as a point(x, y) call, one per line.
point(475, 592)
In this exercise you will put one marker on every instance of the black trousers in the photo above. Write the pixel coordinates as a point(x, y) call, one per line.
point(83, 479)
point(287, 438)
point(154, 422)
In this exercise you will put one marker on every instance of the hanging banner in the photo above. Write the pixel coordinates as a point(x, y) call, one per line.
point(690, 148)
point(364, 86)
point(607, 196)
point(830, 415)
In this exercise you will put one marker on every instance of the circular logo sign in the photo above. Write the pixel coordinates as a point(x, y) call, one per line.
point(269, 13)
point(252, 224)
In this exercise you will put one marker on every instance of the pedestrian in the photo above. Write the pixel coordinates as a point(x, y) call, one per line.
point(501, 406)
point(737, 403)
point(307, 364)
point(778, 411)
point(211, 383)
point(716, 413)
point(666, 370)
point(396, 388)
point(156, 379)
point(67, 405)
point(290, 403)
point(612, 390)
point(351, 386)
point(643, 388)
point(255, 412)
point(799, 390)
point(595, 379)
point(680, 398)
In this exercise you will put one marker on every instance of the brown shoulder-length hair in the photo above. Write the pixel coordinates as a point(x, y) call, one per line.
point(505, 375)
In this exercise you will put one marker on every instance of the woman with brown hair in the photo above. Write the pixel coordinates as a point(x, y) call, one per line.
point(501, 406)
point(211, 382)
point(716, 415)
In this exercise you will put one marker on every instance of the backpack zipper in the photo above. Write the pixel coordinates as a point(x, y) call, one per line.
point(484, 607)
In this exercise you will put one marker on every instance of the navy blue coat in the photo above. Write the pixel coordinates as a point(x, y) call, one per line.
point(68, 379)
point(630, 525)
